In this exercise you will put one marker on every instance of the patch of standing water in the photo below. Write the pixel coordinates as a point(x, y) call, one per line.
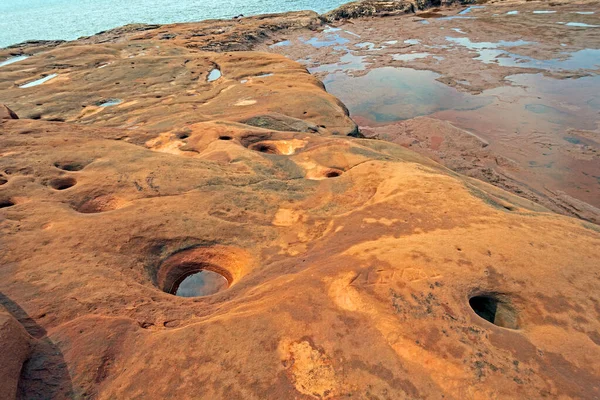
point(459, 31)
point(582, 59)
point(512, 13)
point(581, 25)
point(544, 12)
point(214, 75)
point(202, 283)
point(412, 41)
point(110, 103)
point(281, 44)
point(583, 12)
point(13, 60)
point(329, 40)
point(38, 81)
point(348, 62)
point(466, 42)
point(393, 94)
point(468, 9)
point(410, 57)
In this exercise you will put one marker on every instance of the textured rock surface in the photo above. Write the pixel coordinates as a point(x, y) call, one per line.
point(15, 344)
point(351, 263)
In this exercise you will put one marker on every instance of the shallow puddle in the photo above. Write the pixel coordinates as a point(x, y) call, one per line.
point(38, 81)
point(281, 44)
point(13, 60)
point(214, 75)
point(410, 56)
point(348, 62)
point(202, 283)
point(110, 103)
point(393, 94)
point(328, 41)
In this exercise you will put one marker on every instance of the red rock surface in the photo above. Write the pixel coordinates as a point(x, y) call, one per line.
point(351, 262)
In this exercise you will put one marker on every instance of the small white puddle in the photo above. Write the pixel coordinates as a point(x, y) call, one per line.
point(412, 41)
point(544, 12)
point(214, 75)
point(410, 57)
point(13, 60)
point(583, 12)
point(38, 81)
point(512, 13)
point(111, 102)
point(581, 25)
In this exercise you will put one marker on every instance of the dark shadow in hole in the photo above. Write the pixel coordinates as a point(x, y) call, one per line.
point(333, 174)
point(183, 136)
point(3, 180)
point(45, 374)
point(70, 166)
point(491, 308)
point(4, 203)
point(62, 183)
point(225, 138)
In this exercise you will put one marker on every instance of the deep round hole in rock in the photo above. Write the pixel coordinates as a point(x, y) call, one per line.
point(4, 203)
point(333, 174)
point(70, 166)
point(196, 280)
point(62, 183)
point(264, 148)
point(494, 309)
point(225, 138)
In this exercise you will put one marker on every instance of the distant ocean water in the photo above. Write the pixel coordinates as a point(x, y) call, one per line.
point(22, 20)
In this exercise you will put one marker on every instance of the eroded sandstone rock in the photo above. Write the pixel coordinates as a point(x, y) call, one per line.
point(15, 344)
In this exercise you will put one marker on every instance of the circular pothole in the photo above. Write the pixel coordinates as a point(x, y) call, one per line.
point(263, 147)
point(493, 308)
point(333, 173)
point(70, 166)
point(62, 183)
point(101, 204)
point(201, 271)
point(4, 203)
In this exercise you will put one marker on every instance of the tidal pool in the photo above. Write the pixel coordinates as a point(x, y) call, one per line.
point(214, 75)
point(393, 94)
point(13, 60)
point(38, 81)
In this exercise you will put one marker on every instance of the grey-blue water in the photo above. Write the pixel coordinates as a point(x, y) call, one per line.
point(22, 20)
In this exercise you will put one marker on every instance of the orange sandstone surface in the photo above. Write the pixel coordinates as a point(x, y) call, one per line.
point(355, 268)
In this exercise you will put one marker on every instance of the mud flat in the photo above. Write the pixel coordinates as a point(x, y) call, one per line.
point(172, 232)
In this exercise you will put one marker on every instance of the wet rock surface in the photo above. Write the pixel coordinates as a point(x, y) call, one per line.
point(353, 267)
point(525, 82)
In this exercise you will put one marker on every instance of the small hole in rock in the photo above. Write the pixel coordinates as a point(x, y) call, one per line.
point(225, 138)
point(62, 183)
point(70, 165)
point(495, 310)
point(3, 180)
point(6, 203)
point(332, 174)
point(183, 136)
point(264, 148)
